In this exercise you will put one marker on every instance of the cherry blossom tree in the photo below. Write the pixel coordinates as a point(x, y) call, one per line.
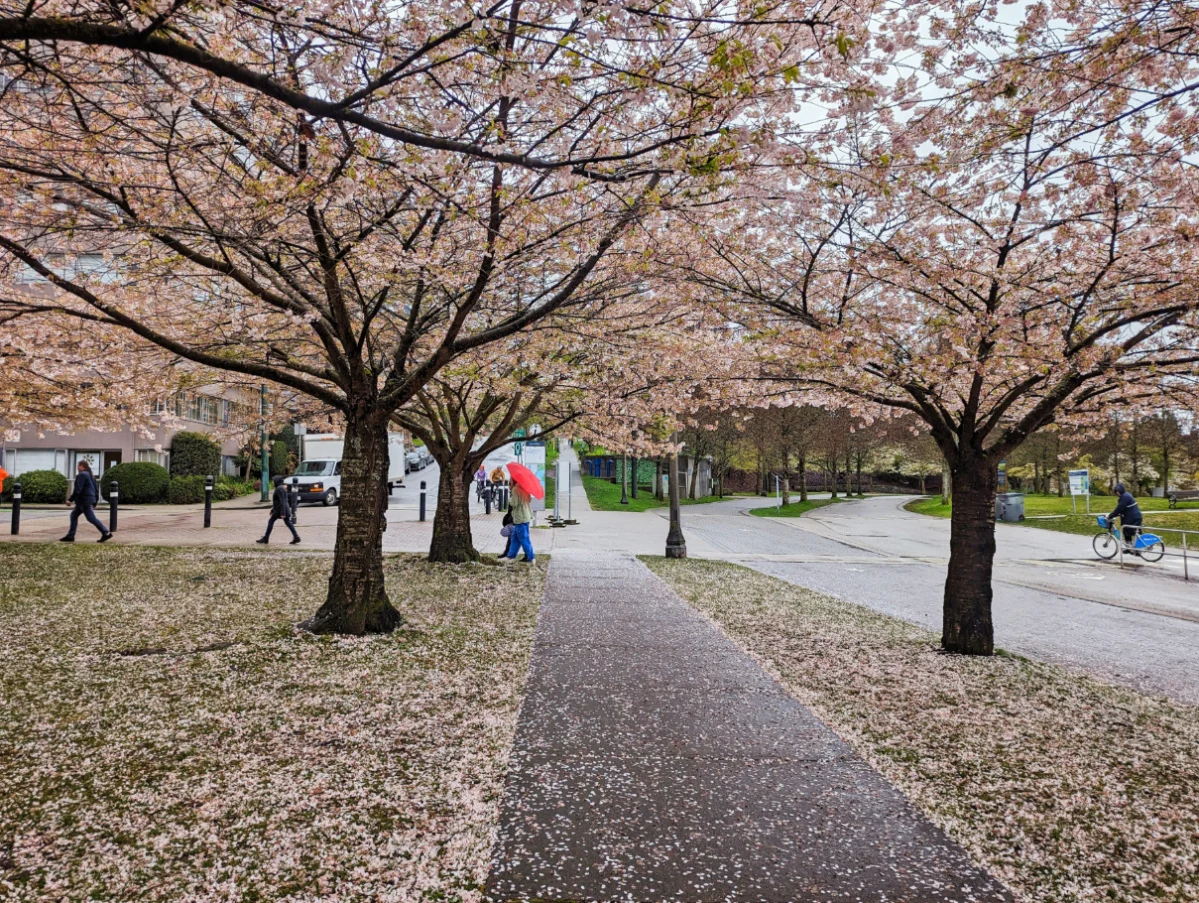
point(980, 265)
point(344, 201)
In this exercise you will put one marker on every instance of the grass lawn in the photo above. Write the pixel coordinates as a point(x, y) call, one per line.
point(1048, 512)
point(605, 496)
point(1067, 789)
point(795, 509)
point(166, 734)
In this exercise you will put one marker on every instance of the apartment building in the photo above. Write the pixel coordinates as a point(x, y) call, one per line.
point(227, 417)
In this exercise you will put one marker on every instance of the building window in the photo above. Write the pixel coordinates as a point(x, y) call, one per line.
point(149, 455)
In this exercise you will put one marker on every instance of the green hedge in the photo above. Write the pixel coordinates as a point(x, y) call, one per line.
point(194, 455)
point(141, 482)
point(47, 487)
point(187, 490)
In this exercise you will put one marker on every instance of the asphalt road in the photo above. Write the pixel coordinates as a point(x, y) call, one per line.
point(1053, 600)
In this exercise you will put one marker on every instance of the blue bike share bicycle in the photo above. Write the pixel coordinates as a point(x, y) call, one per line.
point(1148, 546)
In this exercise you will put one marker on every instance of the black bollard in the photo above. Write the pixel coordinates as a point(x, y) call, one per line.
point(295, 499)
point(422, 501)
point(113, 501)
point(487, 494)
point(207, 502)
point(16, 508)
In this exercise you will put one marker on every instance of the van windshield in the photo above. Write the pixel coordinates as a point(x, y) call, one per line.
point(315, 469)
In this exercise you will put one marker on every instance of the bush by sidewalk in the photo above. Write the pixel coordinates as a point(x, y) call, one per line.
point(47, 487)
point(139, 483)
point(187, 490)
point(194, 455)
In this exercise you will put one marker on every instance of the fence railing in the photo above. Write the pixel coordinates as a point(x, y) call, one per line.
point(1186, 546)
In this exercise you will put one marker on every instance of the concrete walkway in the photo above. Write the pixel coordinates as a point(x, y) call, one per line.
point(655, 761)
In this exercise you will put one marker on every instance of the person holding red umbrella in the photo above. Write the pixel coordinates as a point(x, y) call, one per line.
point(525, 487)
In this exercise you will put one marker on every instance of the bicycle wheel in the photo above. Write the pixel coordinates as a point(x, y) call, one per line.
point(1154, 552)
point(1105, 545)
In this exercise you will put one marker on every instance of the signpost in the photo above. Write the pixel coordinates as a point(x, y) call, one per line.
point(534, 459)
point(1080, 484)
point(518, 448)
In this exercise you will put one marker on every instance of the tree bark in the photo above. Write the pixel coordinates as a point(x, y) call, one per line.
point(357, 600)
point(658, 493)
point(694, 477)
point(967, 626)
point(803, 477)
point(786, 481)
point(633, 478)
point(946, 483)
point(452, 542)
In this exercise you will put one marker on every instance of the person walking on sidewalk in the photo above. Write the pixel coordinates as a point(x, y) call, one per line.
point(521, 509)
point(84, 497)
point(280, 510)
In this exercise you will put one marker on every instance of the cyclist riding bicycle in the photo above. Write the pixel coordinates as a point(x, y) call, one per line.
point(1129, 513)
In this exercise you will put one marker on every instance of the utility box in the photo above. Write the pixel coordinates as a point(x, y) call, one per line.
point(1009, 507)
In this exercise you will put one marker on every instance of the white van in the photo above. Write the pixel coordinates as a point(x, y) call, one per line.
point(319, 474)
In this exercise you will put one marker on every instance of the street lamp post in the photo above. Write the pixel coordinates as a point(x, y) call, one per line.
point(265, 465)
point(676, 544)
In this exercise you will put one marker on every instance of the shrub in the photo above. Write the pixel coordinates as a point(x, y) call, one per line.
point(40, 486)
point(194, 455)
point(234, 487)
point(141, 482)
point(279, 459)
point(186, 490)
point(222, 492)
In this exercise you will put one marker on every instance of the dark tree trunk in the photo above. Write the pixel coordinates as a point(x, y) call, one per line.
point(633, 474)
point(357, 601)
point(967, 627)
point(452, 542)
point(803, 477)
point(694, 477)
point(658, 493)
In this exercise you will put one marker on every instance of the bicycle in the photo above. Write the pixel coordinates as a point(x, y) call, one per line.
point(1148, 546)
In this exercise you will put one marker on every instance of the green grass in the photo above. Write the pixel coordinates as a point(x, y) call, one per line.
point(605, 496)
point(1048, 512)
point(169, 729)
point(1067, 789)
point(795, 509)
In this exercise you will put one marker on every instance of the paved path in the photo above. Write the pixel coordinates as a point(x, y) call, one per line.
point(655, 761)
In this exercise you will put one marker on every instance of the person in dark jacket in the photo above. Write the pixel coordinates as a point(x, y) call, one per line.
point(1128, 511)
point(84, 496)
point(280, 510)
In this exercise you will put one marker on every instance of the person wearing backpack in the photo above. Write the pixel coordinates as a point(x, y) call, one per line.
point(280, 510)
point(83, 499)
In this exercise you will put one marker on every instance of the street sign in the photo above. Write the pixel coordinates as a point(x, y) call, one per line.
point(1080, 484)
point(518, 447)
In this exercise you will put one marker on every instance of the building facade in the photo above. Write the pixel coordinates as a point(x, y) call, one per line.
point(220, 416)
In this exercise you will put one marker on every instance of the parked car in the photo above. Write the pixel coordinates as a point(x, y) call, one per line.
point(416, 460)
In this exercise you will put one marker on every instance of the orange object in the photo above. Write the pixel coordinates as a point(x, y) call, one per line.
point(526, 480)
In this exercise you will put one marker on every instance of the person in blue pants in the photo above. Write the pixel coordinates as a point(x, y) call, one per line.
point(521, 509)
point(84, 497)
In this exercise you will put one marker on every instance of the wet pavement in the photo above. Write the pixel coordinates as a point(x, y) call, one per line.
point(656, 761)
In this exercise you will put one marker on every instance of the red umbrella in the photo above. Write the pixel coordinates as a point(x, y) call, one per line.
point(526, 480)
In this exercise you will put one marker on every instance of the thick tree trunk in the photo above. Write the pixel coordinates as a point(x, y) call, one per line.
point(786, 483)
point(633, 478)
point(967, 627)
point(452, 542)
point(658, 492)
point(357, 601)
point(694, 478)
point(803, 477)
point(946, 483)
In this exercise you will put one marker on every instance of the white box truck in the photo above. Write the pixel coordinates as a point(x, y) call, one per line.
point(319, 474)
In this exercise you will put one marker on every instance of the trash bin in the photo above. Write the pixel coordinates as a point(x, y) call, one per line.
point(1009, 507)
